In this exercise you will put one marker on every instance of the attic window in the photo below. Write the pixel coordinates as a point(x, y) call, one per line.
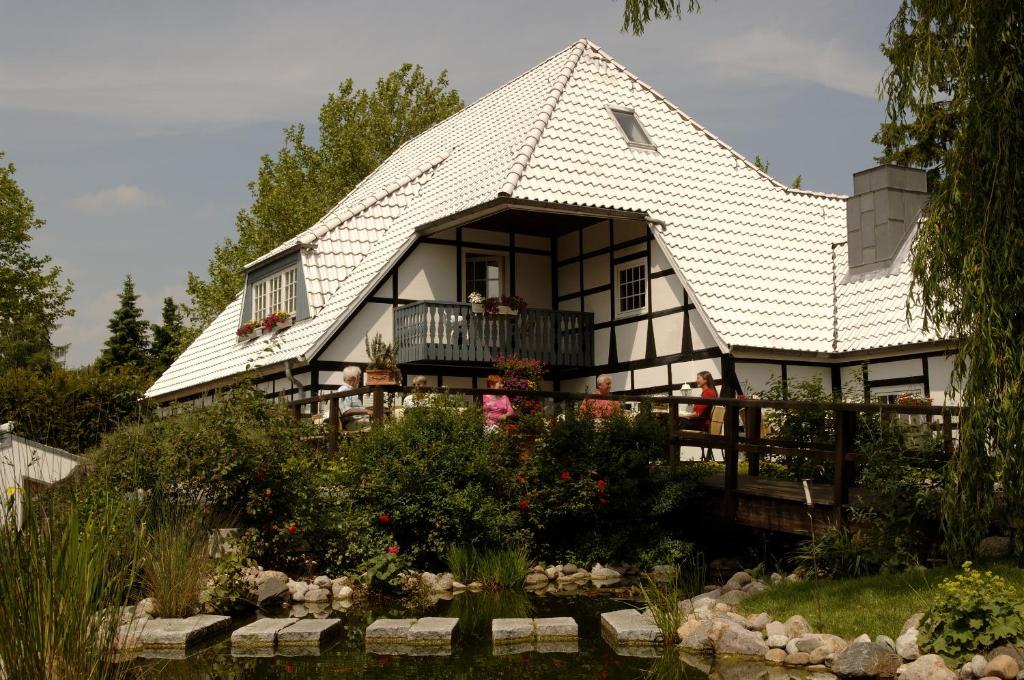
point(275, 293)
point(631, 128)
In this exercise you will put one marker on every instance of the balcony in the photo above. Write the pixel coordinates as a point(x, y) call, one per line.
point(450, 333)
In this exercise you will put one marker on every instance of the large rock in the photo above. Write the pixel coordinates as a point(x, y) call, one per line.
point(265, 576)
point(317, 594)
point(797, 625)
point(629, 627)
point(734, 597)
point(994, 547)
point(977, 664)
point(1011, 651)
point(906, 645)
point(755, 587)
point(797, 659)
point(929, 667)
point(775, 656)
point(272, 591)
point(865, 660)
point(600, 572)
point(913, 622)
point(737, 581)
point(885, 641)
point(775, 628)
point(778, 641)
point(804, 643)
point(535, 580)
point(732, 638)
point(341, 592)
point(1003, 667)
point(758, 621)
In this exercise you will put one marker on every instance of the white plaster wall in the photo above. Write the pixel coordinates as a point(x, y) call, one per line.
point(940, 374)
point(595, 237)
point(533, 279)
point(569, 279)
point(568, 245)
point(498, 238)
point(668, 334)
point(384, 289)
point(799, 373)
point(687, 371)
point(755, 377)
point(631, 340)
point(348, 346)
point(601, 339)
point(895, 369)
point(536, 242)
point(598, 304)
point(659, 261)
point(428, 274)
point(667, 292)
point(653, 376)
point(570, 305)
point(701, 335)
point(595, 271)
point(627, 231)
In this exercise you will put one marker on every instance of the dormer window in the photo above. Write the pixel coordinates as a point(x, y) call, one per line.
point(275, 293)
point(631, 128)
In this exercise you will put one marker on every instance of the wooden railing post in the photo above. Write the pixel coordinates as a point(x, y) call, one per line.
point(752, 433)
point(732, 462)
point(842, 473)
point(378, 405)
point(333, 425)
point(673, 427)
point(297, 411)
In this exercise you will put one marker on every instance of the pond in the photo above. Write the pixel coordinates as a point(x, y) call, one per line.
point(472, 654)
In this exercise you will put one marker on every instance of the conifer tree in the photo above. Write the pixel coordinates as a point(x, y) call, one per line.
point(168, 336)
point(128, 344)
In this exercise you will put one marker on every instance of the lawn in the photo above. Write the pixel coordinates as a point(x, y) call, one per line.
point(873, 605)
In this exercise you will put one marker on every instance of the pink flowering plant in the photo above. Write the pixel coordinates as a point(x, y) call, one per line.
point(274, 319)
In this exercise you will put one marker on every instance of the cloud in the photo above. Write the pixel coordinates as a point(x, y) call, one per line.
point(762, 53)
point(122, 198)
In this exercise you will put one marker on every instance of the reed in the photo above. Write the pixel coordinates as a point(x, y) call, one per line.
point(503, 567)
point(176, 564)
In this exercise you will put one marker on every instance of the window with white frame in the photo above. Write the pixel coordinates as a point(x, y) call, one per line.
point(485, 274)
point(631, 128)
point(631, 288)
point(275, 293)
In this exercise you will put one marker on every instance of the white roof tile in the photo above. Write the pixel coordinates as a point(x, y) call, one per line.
point(756, 254)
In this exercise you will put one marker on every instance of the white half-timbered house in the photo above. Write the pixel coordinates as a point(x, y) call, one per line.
point(645, 247)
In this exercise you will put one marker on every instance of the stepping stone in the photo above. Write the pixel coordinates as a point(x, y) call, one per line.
point(509, 631)
point(390, 648)
point(174, 633)
point(432, 630)
point(556, 628)
point(307, 632)
point(261, 633)
point(396, 630)
point(630, 628)
point(557, 646)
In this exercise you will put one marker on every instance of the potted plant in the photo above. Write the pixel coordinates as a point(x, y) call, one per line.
point(276, 321)
point(511, 304)
point(476, 301)
point(382, 368)
point(249, 330)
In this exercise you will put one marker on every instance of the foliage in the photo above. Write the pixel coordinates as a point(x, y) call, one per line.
point(519, 373)
point(436, 476)
point(955, 92)
point(638, 13)
point(32, 296)
point(72, 409)
point(901, 474)
point(175, 564)
point(382, 354)
point(588, 493)
point(762, 165)
point(463, 562)
point(243, 456)
point(384, 572)
point(226, 591)
point(972, 612)
point(358, 130)
point(505, 567)
point(170, 336)
point(128, 344)
point(60, 576)
point(671, 551)
point(661, 598)
point(840, 553)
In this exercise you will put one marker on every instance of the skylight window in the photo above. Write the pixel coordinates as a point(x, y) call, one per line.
point(631, 128)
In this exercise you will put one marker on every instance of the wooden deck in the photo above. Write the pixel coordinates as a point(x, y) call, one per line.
point(777, 505)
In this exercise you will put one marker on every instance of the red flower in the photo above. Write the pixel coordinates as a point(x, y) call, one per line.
point(393, 549)
point(523, 504)
point(565, 475)
point(383, 518)
point(289, 668)
point(602, 500)
point(601, 484)
point(267, 493)
point(292, 528)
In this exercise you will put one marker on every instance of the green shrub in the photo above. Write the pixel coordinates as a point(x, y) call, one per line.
point(226, 591)
point(840, 553)
point(972, 612)
point(72, 408)
point(802, 426)
point(504, 567)
point(463, 562)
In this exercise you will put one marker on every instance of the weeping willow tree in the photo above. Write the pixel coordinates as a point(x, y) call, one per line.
point(955, 92)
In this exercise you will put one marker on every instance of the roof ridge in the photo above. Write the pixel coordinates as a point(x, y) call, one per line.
point(533, 135)
point(710, 135)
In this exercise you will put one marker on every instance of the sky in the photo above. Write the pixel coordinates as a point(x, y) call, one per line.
point(136, 126)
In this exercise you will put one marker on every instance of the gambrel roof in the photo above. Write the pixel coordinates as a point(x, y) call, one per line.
point(761, 260)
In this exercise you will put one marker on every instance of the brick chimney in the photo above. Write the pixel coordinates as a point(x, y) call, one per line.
point(881, 213)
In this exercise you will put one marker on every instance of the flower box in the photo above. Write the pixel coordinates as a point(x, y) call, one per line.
point(380, 377)
point(279, 326)
point(505, 309)
point(477, 307)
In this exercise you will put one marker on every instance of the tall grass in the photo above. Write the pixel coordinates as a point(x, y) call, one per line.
point(494, 567)
point(661, 596)
point(61, 579)
point(176, 564)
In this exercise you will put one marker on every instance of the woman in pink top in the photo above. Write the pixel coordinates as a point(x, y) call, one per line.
point(496, 408)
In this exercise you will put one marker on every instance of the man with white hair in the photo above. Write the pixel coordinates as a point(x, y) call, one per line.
point(601, 408)
point(353, 415)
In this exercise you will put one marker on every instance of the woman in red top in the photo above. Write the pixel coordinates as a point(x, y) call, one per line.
point(701, 412)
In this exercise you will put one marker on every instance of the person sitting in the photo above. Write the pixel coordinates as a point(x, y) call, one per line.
point(353, 415)
point(700, 417)
point(497, 408)
point(601, 408)
point(418, 396)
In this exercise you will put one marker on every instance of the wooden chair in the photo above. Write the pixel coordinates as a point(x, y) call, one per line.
point(716, 424)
